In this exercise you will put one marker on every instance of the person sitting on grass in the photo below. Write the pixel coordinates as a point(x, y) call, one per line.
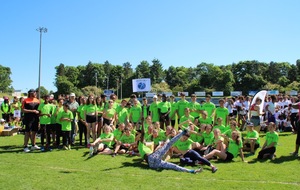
point(220, 125)
point(102, 145)
point(251, 141)
point(235, 146)
point(126, 142)
point(185, 147)
point(154, 159)
point(208, 138)
point(269, 148)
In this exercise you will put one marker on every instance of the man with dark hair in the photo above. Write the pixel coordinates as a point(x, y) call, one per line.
point(31, 119)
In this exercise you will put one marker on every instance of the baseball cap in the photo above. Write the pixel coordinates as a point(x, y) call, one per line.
point(72, 94)
point(2, 120)
point(155, 96)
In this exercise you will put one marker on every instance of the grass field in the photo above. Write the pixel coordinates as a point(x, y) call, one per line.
point(72, 169)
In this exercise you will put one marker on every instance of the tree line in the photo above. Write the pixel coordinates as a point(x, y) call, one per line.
point(242, 76)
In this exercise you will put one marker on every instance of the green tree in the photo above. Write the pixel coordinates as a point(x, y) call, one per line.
point(60, 70)
point(43, 91)
point(160, 87)
point(127, 70)
point(91, 90)
point(5, 79)
point(156, 71)
point(143, 70)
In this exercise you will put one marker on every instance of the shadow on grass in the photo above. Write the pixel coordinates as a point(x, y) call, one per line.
point(11, 149)
point(282, 159)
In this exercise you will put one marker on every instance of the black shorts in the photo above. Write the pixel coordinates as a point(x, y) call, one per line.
point(124, 148)
point(99, 118)
point(166, 118)
point(255, 146)
point(91, 119)
point(229, 156)
point(32, 124)
point(106, 121)
point(234, 112)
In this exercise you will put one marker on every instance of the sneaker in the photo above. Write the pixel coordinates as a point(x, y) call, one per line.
point(197, 171)
point(42, 149)
point(214, 169)
point(26, 149)
point(114, 155)
point(91, 151)
point(69, 147)
point(35, 147)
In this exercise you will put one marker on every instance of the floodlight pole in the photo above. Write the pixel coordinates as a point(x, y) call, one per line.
point(41, 30)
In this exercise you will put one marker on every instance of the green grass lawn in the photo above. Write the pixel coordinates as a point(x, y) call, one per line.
point(72, 169)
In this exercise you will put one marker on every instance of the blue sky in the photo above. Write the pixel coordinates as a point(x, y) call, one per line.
point(178, 33)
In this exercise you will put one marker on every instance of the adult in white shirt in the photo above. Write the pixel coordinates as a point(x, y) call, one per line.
point(270, 107)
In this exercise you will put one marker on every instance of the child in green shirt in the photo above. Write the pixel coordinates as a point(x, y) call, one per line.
point(66, 118)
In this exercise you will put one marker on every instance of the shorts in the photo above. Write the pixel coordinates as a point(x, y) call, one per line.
point(234, 112)
point(271, 118)
point(256, 146)
point(106, 121)
point(91, 119)
point(255, 120)
point(32, 125)
point(229, 156)
point(122, 147)
point(99, 118)
point(166, 118)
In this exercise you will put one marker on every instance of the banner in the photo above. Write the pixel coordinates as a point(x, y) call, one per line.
point(185, 93)
point(141, 85)
point(108, 92)
point(217, 93)
point(168, 94)
point(291, 93)
point(252, 92)
point(150, 94)
point(235, 93)
point(261, 94)
point(200, 93)
point(273, 92)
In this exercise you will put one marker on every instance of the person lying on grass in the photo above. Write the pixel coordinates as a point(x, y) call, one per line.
point(154, 159)
point(185, 147)
point(234, 147)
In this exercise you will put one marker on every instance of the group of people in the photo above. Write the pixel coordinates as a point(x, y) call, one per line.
point(106, 127)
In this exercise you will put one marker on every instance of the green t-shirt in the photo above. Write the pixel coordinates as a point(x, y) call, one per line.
point(107, 136)
point(90, 108)
point(164, 107)
point(223, 113)
point(127, 139)
point(66, 125)
point(53, 117)
point(122, 115)
point(81, 110)
point(5, 107)
point(135, 112)
point(181, 105)
point(195, 107)
point(184, 145)
point(272, 137)
point(143, 149)
point(234, 148)
point(185, 118)
point(110, 113)
point(253, 134)
point(60, 109)
point(208, 120)
point(100, 109)
point(209, 107)
point(208, 138)
point(117, 134)
point(154, 110)
point(160, 137)
point(172, 110)
point(45, 109)
point(222, 128)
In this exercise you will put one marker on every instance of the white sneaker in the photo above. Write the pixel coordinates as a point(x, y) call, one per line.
point(35, 147)
point(26, 149)
point(91, 150)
